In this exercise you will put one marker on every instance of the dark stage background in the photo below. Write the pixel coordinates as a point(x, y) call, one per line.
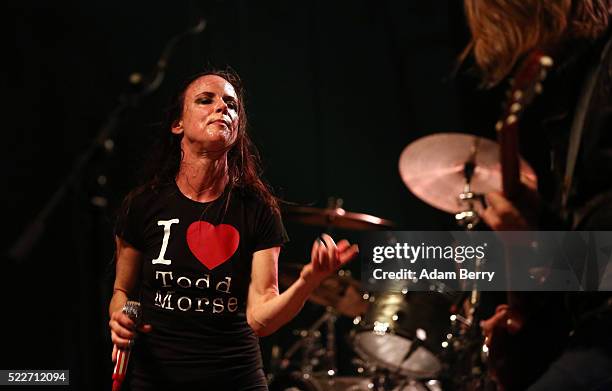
point(336, 90)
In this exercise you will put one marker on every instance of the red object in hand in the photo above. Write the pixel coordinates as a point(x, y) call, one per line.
point(123, 356)
point(133, 311)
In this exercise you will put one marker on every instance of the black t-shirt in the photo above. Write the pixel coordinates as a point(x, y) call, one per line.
point(196, 270)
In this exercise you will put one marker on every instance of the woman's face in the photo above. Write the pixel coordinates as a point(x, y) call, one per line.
point(209, 121)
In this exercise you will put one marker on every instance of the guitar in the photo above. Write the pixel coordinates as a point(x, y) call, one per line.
point(525, 86)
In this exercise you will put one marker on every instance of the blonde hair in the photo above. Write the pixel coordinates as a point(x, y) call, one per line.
point(504, 30)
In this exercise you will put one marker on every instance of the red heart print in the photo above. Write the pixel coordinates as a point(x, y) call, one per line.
point(212, 244)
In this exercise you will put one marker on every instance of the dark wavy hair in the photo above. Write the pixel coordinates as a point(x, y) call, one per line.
point(244, 163)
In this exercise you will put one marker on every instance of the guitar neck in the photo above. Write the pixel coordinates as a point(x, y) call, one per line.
point(525, 86)
point(509, 158)
point(508, 155)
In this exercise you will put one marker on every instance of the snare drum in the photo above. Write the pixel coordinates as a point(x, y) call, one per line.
point(404, 333)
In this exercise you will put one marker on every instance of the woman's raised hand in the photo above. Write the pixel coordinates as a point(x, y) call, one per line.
point(327, 257)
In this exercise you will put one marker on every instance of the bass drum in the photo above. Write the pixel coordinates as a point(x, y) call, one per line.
point(296, 381)
point(404, 333)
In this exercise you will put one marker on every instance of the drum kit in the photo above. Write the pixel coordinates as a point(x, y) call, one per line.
point(404, 341)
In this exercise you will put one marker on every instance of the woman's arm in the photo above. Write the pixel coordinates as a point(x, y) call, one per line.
point(129, 261)
point(267, 310)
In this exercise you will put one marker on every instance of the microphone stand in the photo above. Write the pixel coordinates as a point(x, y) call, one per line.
point(104, 140)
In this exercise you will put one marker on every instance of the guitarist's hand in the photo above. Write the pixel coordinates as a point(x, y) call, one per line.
point(496, 330)
point(503, 320)
point(502, 214)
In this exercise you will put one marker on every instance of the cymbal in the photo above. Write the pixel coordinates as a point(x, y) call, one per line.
point(334, 217)
point(433, 168)
point(339, 291)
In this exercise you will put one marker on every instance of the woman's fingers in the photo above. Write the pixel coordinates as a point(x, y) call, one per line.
point(314, 255)
point(339, 254)
point(329, 243)
point(122, 339)
point(123, 331)
point(332, 253)
point(120, 330)
point(326, 256)
point(348, 254)
point(122, 319)
point(343, 245)
point(119, 341)
point(323, 259)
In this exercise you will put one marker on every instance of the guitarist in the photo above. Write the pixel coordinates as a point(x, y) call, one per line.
point(574, 191)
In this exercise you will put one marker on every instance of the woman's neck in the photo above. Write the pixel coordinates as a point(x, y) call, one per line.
point(201, 177)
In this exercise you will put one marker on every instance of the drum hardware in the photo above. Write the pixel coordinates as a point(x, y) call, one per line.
point(334, 216)
point(469, 217)
point(416, 343)
point(374, 375)
point(407, 340)
point(466, 339)
point(402, 334)
point(467, 354)
point(310, 341)
point(452, 172)
point(382, 380)
point(339, 291)
point(331, 342)
point(340, 294)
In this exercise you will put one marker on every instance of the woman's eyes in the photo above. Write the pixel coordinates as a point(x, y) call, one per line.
point(206, 101)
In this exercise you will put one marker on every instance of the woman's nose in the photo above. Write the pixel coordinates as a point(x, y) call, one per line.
point(221, 107)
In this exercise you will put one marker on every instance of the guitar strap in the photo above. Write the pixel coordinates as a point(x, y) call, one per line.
point(577, 128)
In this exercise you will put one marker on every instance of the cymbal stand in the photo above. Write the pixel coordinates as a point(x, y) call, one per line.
point(309, 341)
point(466, 356)
point(466, 340)
point(382, 380)
point(330, 351)
point(469, 217)
point(466, 337)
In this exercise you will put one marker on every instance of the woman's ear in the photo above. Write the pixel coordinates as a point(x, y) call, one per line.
point(177, 127)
